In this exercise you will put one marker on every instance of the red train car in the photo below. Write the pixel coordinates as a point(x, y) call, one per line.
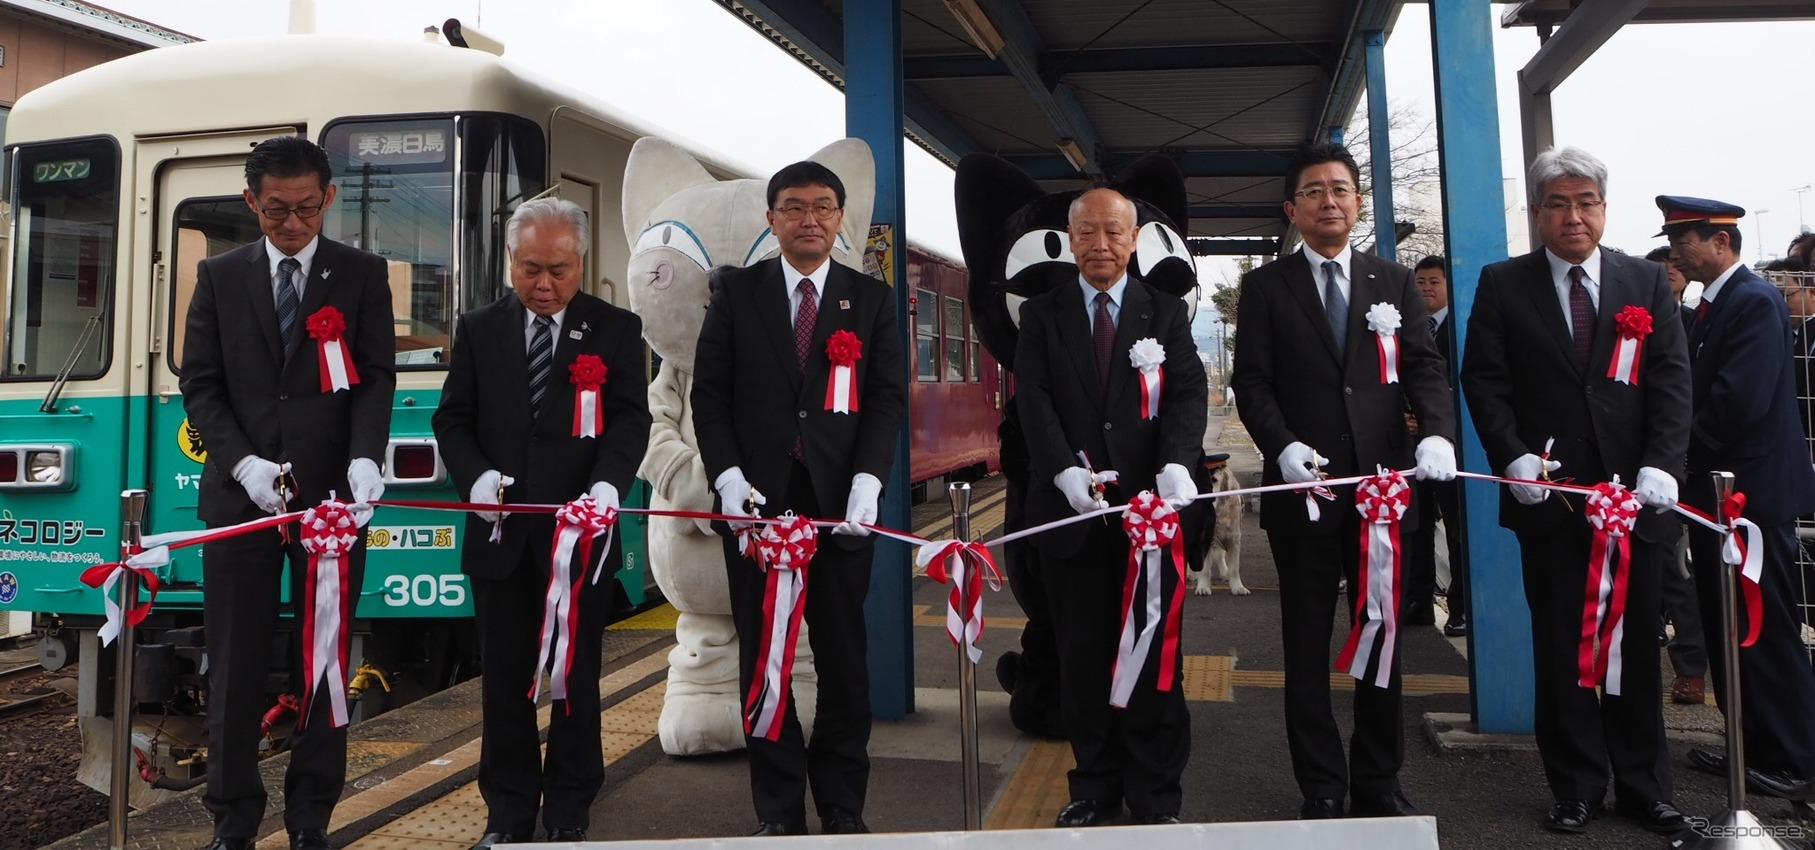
point(955, 399)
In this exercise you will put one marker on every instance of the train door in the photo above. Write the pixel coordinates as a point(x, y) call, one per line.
point(197, 212)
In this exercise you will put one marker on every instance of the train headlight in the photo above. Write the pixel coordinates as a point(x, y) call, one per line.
point(37, 467)
point(413, 463)
point(44, 468)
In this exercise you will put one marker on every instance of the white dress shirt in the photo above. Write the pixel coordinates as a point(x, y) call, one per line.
point(1342, 271)
point(529, 329)
point(792, 278)
point(1712, 290)
point(305, 258)
point(1116, 291)
point(1559, 279)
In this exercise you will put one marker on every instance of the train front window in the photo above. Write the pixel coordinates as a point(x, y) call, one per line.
point(65, 232)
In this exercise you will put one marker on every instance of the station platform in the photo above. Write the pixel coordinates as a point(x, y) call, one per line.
point(411, 775)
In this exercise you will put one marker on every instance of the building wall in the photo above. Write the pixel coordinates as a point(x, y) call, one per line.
point(37, 54)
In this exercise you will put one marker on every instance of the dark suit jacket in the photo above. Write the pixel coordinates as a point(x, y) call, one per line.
point(1802, 360)
point(1062, 410)
point(750, 401)
point(1525, 385)
point(484, 421)
point(247, 396)
point(1745, 406)
point(1292, 385)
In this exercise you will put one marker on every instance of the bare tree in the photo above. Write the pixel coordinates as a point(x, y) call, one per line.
point(1417, 181)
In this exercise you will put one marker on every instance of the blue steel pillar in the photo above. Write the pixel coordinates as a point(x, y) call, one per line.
point(1474, 225)
point(873, 107)
point(1380, 150)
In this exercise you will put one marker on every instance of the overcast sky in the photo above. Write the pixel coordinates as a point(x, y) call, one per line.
point(1699, 110)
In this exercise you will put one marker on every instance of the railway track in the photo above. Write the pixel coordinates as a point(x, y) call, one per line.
point(17, 698)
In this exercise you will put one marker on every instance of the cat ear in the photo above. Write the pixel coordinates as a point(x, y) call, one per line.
point(656, 171)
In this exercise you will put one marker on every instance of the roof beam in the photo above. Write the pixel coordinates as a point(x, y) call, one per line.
point(1350, 74)
point(1021, 52)
point(1587, 28)
point(1052, 166)
point(1232, 247)
point(1226, 211)
point(1055, 64)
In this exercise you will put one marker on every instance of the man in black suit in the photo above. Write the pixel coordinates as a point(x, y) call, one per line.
point(1540, 339)
point(1080, 399)
point(1308, 385)
point(1745, 423)
point(506, 427)
point(1441, 499)
point(769, 436)
point(252, 385)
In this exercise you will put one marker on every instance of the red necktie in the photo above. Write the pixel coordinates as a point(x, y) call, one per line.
point(1581, 314)
point(1103, 334)
point(805, 317)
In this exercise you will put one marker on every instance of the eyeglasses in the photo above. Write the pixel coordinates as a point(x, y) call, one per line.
point(795, 212)
point(1565, 207)
point(281, 213)
point(1315, 193)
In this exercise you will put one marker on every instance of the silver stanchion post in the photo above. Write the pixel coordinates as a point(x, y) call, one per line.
point(119, 787)
point(1735, 827)
point(967, 671)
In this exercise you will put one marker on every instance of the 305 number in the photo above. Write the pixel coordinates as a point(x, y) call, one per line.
point(425, 590)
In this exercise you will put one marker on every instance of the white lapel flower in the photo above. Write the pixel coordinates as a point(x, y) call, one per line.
point(1383, 318)
point(1147, 354)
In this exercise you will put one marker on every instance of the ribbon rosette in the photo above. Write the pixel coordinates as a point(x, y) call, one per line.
point(578, 526)
point(783, 549)
point(1384, 320)
point(329, 533)
point(844, 349)
point(1148, 355)
point(588, 374)
point(1153, 528)
point(107, 578)
point(1613, 511)
point(1634, 324)
point(1744, 549)
point(1382, 499)
point(963, 566)
point(328, 328)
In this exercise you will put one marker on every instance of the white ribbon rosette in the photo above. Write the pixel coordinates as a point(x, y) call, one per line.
point(1384, 320)
point(1148, 356)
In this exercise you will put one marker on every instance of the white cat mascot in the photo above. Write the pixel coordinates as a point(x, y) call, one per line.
point(681, 223)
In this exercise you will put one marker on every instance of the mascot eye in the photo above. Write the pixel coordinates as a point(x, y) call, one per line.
point(674, 236)
point(1036, 247)
point(1155, 243)
point(765, 246)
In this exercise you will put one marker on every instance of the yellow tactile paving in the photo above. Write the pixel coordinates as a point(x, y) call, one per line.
point(661, 618)
point(1413, 685)
point(1207, 678)
point(1037, 791)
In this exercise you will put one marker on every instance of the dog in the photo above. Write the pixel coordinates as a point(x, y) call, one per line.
point(1216, 550)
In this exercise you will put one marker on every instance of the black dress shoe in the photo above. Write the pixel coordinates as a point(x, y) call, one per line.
point(1320, 808)
point(1660, 817)
point(1381, 805)
point(1420, 614)
point(573, 833)
point(1571, 815)
point(1456, 626)
point(310, 839)
point(491, 838)
point(1085, 813)
point(1708, 761)
point(770, 827)
point(220, 843)
point(1782, 785)
point(1159, 817)
point(838, 821)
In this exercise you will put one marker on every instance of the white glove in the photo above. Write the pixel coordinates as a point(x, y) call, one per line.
point(485, 492)
point(367, 484)
point(258, 476)
point(605, 495)
point(860, 506)
point(1655, 488)
point(1074, 482)
point(1530, 467)
point(1295, 462)
point(733, 492)
point(1436, 460)
point(1175, 486)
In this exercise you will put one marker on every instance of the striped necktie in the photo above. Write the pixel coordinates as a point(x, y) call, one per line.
point(286, 299)
point(1581, 314)
point(541, 357)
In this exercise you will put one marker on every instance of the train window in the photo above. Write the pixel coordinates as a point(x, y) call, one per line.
point(954, 340)
point(204, 227)
point(926, 334)
point(976, 359)
point(504, 162)
point(65, 226)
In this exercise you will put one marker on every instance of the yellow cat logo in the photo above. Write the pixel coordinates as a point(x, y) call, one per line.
point(190, 441)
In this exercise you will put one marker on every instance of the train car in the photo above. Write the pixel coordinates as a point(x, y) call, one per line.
point(122, 177)
point(955, 400)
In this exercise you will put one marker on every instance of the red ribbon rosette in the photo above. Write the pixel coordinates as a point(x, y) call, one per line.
point(1152, 527)
point(1633, 323)
point(844, 349)
point(578, 526)
point(782, 550)
point(1382, 500)
point(329, 534)
point(588, 374)
point(328, 328)
point(964, 567)
point(1612, 511)
point(1744, 549)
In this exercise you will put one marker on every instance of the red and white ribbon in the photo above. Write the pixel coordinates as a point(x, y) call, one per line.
point(965, 567)
point(1382, 499)
point(1612, 512)
point(1384, 320)
point(1633, 324)
point(782, 550)
point(844, 349)
point(329, 533)
point(587, 373)
point(578, 526)
point(107, 578)
point(1745, 549)
point(1153, 534)
point(328, 328)
point(1148, 358)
